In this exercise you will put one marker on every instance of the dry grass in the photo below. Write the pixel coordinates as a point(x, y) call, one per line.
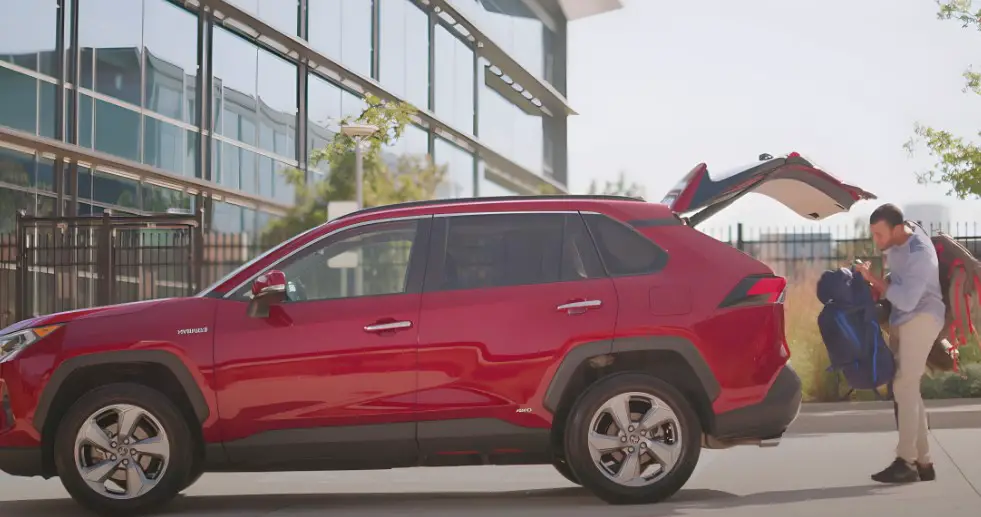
point(810, 357)
point(807, 351)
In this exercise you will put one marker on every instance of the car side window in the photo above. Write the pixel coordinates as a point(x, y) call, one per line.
point(500, 250)
point(369, 261)
point(624, 250)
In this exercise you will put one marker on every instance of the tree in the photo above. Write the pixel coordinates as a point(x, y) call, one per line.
point(620, 187)
point(409, 178)
point(958, 160)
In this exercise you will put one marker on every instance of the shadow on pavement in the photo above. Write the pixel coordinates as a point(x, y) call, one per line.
point(571, 501)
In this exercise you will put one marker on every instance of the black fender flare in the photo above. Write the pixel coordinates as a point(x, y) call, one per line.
point(161, 357)
point(663, 343)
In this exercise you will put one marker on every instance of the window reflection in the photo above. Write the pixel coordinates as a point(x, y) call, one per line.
point(114, 30)
point(27, 34)
point(281, 14)
point(516, 29)
point(508, 129)
point(404, 39)
point(170, 58)
point(459, 175)
point(324, 114)
point(341, 29)
point(490, 188)
point(454, 81)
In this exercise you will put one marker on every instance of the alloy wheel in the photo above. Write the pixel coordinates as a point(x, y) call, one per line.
point(122, 451)
point(635, 439)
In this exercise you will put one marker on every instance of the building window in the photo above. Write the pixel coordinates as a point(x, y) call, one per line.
point(281, 14)
point(454, 81)
point(27, 40)
point(404, 54)
point(341, 29)
point(458, 181)
point(508, 129)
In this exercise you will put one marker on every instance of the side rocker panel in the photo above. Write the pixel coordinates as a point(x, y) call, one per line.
point(166, 359)
point(683, 347)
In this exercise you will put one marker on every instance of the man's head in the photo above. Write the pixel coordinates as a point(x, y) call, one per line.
point(888, 226)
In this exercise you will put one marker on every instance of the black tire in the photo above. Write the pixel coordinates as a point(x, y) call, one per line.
point(577, 449)
point(563, 468)
point(178, 470)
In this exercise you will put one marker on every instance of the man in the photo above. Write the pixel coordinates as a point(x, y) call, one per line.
point(917, 317)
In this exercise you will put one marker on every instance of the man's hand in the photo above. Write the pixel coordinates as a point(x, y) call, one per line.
point(864, 269)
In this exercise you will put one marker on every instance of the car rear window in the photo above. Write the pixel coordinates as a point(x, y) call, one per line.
point(624, 250)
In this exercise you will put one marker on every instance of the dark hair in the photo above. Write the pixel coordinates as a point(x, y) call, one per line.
point(889, 214)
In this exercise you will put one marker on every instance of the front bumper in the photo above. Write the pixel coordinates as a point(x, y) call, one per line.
point(768, 419)
point(21, 461)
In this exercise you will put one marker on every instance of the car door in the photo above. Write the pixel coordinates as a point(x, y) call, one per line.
point(792, 180)
point(505, 296)
point(329, 375)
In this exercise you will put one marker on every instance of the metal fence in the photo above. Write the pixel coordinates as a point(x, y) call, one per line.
point(57, 264)
point(796, 251)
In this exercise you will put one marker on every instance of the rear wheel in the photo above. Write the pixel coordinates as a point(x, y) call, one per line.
point(632, 439)
point(123, 449)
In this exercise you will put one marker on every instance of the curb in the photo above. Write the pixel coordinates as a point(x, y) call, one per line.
point(874, 417)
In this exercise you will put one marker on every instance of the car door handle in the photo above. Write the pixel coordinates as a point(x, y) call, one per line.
point(388, 326)
point(579, 307)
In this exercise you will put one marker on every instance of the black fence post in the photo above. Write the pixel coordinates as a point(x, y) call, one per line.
point(197, 258)
point(104, 261)
point(740, 243)
point(20, 291)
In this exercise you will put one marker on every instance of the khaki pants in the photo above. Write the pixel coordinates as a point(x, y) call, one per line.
point(916, 338)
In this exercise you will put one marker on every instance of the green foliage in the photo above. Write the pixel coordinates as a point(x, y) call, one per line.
point(620, 187)
point(410, 178)
point(958, 161)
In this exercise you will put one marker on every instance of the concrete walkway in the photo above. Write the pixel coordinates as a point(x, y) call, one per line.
point(806, 476)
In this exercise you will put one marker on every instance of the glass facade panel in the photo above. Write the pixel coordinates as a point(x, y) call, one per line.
point(404, 54)
point(509, 130)
point(281, 14)
point(454, 81)
point(516, 29)
point(18, 102)
point(27, 34)
point(117, 130)
point(490, 188)
point(235, 69)
point(114, 31)
point(170, 60)
point(459, 175)
point(341, 29)
point(277, 105)
point(323, 116)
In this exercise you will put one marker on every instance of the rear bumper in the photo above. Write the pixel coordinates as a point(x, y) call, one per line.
point(21, 461)
point(768, 419)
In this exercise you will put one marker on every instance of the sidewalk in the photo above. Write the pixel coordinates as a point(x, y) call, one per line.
point(871, 417)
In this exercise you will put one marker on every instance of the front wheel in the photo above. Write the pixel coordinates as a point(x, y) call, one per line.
point(122, 449)
point(632, 439)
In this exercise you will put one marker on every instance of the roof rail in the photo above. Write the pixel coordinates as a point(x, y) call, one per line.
point(434, 202)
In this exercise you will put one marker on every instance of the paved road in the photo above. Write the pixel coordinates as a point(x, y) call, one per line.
point(808, 475)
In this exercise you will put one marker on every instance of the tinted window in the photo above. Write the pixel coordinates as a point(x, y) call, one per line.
point(624, 251)
point(485, 251)
point(367, 262)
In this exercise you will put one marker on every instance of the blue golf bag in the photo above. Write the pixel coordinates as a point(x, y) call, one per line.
point(850, 328)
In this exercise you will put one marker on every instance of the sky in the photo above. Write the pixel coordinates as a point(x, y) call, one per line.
point(662, 85)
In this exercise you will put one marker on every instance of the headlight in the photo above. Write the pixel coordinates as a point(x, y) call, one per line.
point(13, 343)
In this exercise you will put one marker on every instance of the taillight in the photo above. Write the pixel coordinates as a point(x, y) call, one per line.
point(756, 290)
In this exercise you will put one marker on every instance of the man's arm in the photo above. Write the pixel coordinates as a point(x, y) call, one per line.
point(905, 292)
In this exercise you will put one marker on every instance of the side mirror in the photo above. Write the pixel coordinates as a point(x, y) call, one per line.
point(268, 289)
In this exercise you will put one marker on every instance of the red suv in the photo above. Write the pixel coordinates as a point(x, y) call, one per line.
point(602, 335)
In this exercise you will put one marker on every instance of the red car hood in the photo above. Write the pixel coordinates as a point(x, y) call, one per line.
point(94, 312)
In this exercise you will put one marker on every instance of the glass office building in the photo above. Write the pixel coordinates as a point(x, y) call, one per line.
point(140, 106)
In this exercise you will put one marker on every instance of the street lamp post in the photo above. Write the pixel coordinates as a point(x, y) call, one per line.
point(358, 132)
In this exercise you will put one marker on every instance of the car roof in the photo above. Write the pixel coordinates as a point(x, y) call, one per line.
point(502, 203)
